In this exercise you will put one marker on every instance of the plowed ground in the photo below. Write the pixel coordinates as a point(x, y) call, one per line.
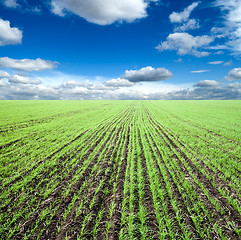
point(142, 172)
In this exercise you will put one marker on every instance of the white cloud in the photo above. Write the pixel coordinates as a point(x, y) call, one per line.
point(4, 74)
point(9, 35)
point(3, 84)
point(189, 25)
point(216, 92)
point(234, 74)
point(215, 62)
point(182, 19)
point(102, 12)
point(147, 74)
point(73, 84)
point(207, 83)
point(228, 63)
point(183, 16)
point(217, 47)
point(179, 60)
point(218, 52)
point(18, 79)
point(200, 71)
point(233, 7)
point(234, 85)
point(27, 64)
point(119, 82)
point(207, 89)
point(30, 87)
point(10, 3)
point(24, 5)
point(185, 43)
point(231, 11)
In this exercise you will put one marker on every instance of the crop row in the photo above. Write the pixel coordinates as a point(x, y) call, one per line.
point(138, 170)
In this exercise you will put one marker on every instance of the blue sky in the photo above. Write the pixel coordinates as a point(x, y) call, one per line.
point(111, 49)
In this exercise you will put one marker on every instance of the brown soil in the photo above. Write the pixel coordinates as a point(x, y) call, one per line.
point(148, 201)
point(56, 194)
point(72, 226)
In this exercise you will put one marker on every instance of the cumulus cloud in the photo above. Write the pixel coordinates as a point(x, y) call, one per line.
point(234, 85)
point(18, 79)
point(206, 93)
point(215, 62)
point(73, 84)
point(119, 82)
point(234, 74)
point(9, 35)
point(182, 20)
point(184, 15)
point(207, 89)
point(207, 83)
point(147, 74)
point(102, 12)
point(200, 71)
point(185, 43)
point(28, 87)
point(4, 74)
point(27, 64)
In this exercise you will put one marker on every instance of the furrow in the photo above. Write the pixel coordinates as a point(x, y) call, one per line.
point(67, 179)
point(115, 218)
point(218, 205)
point(149, 222)
point(61, 199)
point(92, 176)
point(96, 193)
point(212, 173)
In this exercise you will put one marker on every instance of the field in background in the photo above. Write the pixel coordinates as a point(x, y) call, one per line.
point(120, 170)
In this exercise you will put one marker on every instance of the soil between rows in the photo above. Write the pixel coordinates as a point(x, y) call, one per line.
point(103, 181)
point(230, 214)
point(69, 224)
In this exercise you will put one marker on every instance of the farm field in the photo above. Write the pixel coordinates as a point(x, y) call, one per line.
point(120, 170)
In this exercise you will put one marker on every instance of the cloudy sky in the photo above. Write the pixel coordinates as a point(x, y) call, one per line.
point(112, 49)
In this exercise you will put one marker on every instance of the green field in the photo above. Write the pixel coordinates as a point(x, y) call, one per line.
point(120, 170)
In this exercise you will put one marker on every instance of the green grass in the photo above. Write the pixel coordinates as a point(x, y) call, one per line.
point(120, 169)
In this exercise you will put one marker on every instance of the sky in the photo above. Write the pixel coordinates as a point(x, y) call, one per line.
point(112, 49)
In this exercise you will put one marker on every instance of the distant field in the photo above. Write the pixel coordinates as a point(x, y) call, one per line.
point(120, 170)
